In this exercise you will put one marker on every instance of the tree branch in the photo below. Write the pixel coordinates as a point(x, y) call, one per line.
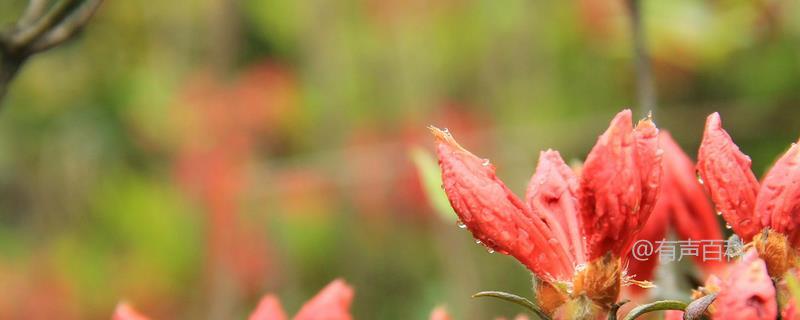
point(37, 31)
point(645, 85)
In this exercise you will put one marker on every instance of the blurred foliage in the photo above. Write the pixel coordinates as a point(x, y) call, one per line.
point(190, 156)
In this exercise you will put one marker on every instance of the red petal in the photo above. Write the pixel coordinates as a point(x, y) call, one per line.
point(552, 194)
point(648, 161)
point(778, 201)
point(494, 215)
point(331, 303)
point(726, 173)
point(643, 268)
point(747, 293)
point(692, 215)
point(790, 311)
point(269, 308)
point(125, 312)
point(618, 185)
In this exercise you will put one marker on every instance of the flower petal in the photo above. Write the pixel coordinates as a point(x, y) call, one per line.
point(778, 201)
point(747, 293)
point(494, 215)
point(726, 173)
point(331, 303)
point(553, 194)
point(269, 308)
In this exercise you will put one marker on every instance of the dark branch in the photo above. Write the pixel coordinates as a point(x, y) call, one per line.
point(645, 85)
point(39, 29)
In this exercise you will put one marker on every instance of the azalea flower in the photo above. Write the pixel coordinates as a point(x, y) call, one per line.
point(746, 292)
point(572, 232)
point(767, 213)
point(683, 207)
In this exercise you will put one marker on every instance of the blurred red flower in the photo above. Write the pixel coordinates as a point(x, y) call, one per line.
point(331, 303)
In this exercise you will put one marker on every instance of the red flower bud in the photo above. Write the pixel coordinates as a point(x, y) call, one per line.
point(496, 216)
point(778, 201)
point(619, 185)
point(726, 173)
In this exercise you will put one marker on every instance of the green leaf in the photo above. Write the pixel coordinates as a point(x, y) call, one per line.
point(533, 307)
point(431, 177)
point(697, 308)
point(656, 306)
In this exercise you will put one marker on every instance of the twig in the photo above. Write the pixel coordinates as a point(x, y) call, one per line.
point(645, 85)
point(37, 30)
point(68, 28)
point(33, 12)
point(24, 37)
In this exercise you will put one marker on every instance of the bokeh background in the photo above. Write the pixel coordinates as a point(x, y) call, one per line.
point(190, 156)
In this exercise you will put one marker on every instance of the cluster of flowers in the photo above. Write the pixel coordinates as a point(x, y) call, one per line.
point(331, 303)
point(574, 228)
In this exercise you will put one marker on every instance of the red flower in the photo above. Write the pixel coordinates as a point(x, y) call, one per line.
point(682, 205)
point(565, 222)
point(331, 303)
point(726, 172)
point(125, 312)
point(767, 214)
point(745, 292)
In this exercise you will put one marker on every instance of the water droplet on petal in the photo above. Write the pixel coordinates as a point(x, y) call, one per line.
point(719, 213)
point(727, 226)
point(478, 241)
point(485, 162)
point(489, 250)
point(580, 267)
point(699, 178)
point(460, 224)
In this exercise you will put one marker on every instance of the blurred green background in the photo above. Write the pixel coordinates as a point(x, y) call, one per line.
point(190, 156)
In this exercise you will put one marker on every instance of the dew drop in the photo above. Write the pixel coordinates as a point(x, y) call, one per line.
point(489, 250)
point(485, 162)
point(719, 213)
point(727, 226)
point(699, 178)
point(478, 241)
point(460, 224)
point(580, 267)
point(441, 186)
